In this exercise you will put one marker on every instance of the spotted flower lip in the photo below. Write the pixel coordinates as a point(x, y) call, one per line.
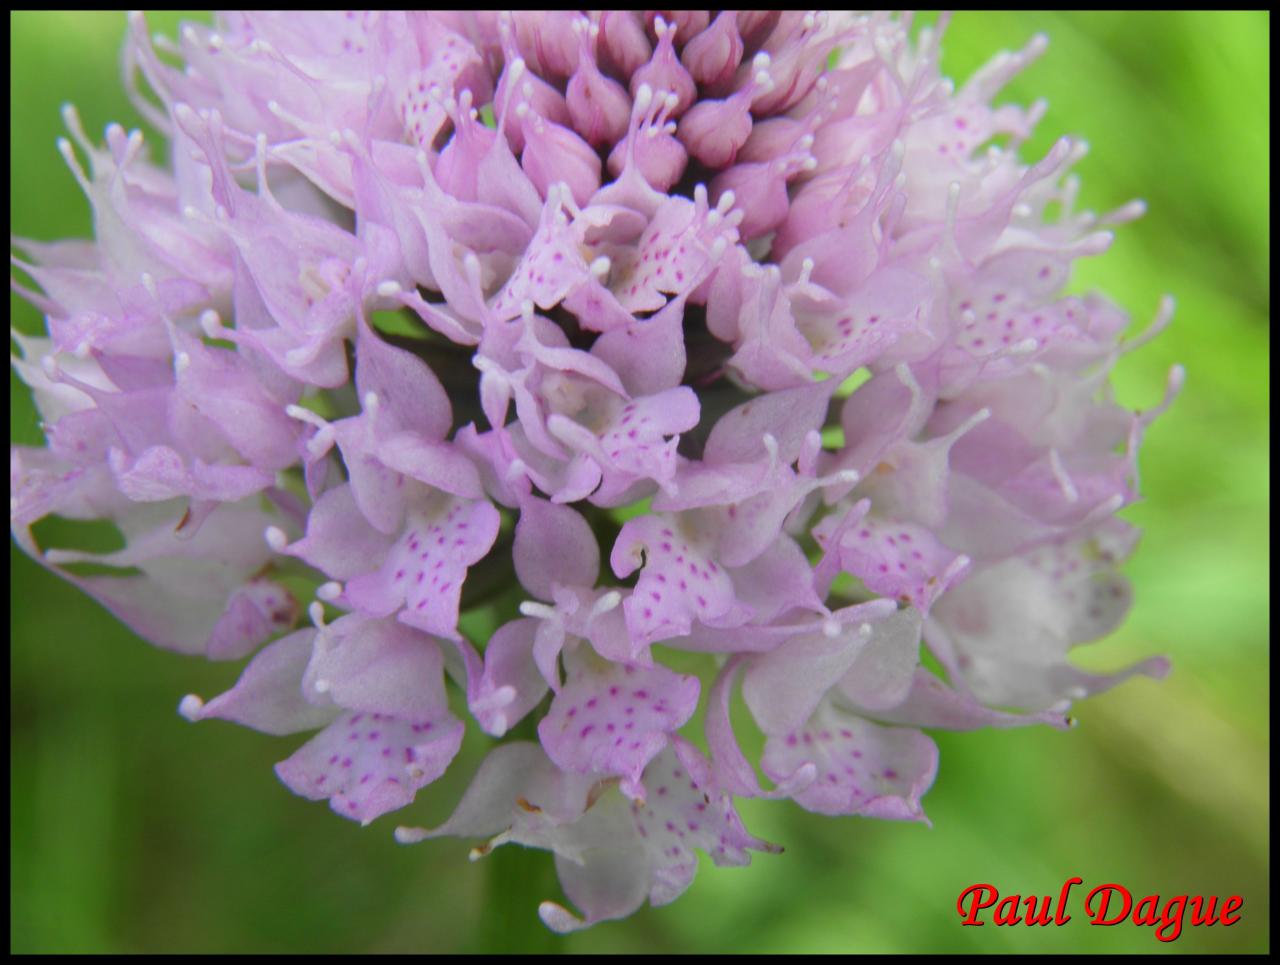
point(620, 333)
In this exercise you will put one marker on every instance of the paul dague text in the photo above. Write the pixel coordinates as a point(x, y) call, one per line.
point(1106, 904)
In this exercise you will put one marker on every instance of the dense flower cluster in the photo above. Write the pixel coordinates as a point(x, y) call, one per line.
point(750, 304)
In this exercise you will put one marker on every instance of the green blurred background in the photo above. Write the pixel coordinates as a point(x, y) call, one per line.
point(132, 831)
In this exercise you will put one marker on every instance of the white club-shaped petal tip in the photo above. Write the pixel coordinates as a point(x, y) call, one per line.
point(190, 707)
point(558, 918)
point(494, 723)
point(501, 697)
point(532, 608)
point(606, 603)
point(329, 591)
point(211, 324)
point(407, 835)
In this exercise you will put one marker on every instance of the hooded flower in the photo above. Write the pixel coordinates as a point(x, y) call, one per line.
point(537, 347)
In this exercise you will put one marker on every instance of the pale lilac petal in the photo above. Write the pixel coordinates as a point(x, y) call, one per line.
point(377, 665)
point(408, 392)
point(268, 696)
point(512, 684)
point(884, 671)
point(440, 465)
point(339, 541)
point(610, 879)
point(255, 613)
point(931, 703)
point(730, 768)
point(778, 580)
point(787, 416)
point(517, 790)
point(553, 545)
point(784, 687)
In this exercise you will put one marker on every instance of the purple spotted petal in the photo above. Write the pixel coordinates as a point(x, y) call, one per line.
point(424, 571)
point(682, 811)
point(679, 583)
point(862, 768)
point(369, 764)
point(899, 560)
point(615, 719)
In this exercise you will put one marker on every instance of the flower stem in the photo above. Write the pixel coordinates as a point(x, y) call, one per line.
point(518, 879)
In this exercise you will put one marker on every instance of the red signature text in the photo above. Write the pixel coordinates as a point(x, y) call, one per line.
point(1106, 904)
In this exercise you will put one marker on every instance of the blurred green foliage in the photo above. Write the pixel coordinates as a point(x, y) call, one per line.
point(132, 831)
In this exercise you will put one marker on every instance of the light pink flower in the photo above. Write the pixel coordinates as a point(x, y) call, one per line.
point(434, 306)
